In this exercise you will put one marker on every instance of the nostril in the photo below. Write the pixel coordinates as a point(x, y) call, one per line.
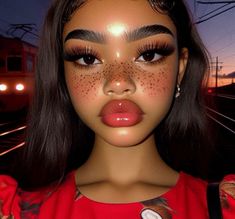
point(110, 92)
point(120, 92)
point(119, 87)
point(127, 91)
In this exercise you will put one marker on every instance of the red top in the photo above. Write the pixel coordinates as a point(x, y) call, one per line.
point(186, 200)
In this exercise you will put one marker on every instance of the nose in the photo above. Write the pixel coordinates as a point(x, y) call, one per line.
point(119, 84)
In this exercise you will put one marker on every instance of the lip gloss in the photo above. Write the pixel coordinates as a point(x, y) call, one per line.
point(121, 113)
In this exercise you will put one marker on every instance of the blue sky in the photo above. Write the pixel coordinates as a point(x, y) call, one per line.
point(218, 33)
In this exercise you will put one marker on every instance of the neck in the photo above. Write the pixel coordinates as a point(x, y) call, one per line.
point(126, 165)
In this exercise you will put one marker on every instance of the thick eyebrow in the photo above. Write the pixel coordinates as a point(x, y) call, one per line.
point(87, 35)
point(147, 31)
point(133, 35)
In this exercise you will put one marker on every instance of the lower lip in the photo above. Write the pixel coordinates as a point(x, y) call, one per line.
point(121, 119)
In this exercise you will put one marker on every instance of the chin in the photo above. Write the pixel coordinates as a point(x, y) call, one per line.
point(125, 137)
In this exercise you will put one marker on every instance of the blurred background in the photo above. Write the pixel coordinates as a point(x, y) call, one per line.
point(20, 25)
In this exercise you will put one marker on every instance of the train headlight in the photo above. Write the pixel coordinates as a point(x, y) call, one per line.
point(3, 87)
point(20, 87)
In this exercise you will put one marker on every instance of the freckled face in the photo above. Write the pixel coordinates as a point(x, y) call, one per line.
point(123, 51)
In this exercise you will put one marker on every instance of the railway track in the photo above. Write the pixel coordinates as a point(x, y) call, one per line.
point(12, 135)
point(222, 116)
point(222, 120)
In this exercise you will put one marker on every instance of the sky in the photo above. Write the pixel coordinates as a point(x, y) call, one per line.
point(218, 33)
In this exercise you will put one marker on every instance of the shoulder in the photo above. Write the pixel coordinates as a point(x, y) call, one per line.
point(189, 192)
point(19, 203)
point(196, 188)
point(227, 195)
point(193, 184)
point(8, 197)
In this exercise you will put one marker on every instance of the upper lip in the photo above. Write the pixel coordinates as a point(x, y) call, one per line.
point(120, 106)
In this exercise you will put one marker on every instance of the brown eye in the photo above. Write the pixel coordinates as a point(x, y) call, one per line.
point(149, 56)
point(88, 60)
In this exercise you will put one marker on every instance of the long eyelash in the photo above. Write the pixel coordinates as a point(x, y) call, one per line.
point(75, 53)
point(163, 49)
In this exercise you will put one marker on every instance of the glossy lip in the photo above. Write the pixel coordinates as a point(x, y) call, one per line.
point(121, 113)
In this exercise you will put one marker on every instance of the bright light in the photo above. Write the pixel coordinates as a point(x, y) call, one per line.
point(209, 91)
point(19, 87)
point(118, 54)
point(116, 29)
point(3, 87)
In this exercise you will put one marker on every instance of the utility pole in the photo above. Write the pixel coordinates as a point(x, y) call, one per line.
point(217, 68)
point(216, 73)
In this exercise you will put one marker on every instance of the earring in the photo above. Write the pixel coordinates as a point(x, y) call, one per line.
point(177, 91)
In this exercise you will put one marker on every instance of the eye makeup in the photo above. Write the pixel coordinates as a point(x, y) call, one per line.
point(83, 57)
point(149, 53)
point(151, 49)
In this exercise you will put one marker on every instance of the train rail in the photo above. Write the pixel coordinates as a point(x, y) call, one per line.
point(221, 109)
point(225, 121)
point(227, 96)
point(231, 97)
point(12, 136)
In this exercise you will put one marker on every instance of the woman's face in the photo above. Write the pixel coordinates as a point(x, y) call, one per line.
point(121, 66)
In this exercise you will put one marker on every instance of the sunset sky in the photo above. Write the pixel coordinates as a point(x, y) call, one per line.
point(217, 33)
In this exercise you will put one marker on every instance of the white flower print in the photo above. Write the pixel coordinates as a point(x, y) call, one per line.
point(150, 214)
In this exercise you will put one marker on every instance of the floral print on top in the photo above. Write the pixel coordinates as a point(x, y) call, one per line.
point(156, 208)
point(187, 199)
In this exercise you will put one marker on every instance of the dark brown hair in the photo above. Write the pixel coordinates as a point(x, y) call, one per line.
point(57, 139)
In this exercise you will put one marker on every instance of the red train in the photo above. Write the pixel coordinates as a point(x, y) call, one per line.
point(17, 67)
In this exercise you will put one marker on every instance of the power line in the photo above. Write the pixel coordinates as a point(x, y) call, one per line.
point(201, 21)
point(211, 12)
point(29, 28)
point(215, 2)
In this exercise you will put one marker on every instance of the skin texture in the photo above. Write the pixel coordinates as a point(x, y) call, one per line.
point(124, 159)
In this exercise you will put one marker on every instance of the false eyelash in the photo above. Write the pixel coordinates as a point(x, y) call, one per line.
point(75, 53)
point(164, 49)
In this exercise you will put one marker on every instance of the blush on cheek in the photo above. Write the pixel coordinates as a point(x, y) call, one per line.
point(84, 86)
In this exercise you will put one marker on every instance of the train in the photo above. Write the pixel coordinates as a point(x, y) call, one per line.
point(17, 69)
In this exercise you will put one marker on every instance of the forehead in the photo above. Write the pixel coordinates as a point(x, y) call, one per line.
point(101, 15)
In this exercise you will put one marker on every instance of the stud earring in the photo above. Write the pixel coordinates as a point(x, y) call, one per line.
point(177, 94)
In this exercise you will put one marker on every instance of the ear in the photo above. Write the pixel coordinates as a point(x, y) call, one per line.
point(183, 60)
